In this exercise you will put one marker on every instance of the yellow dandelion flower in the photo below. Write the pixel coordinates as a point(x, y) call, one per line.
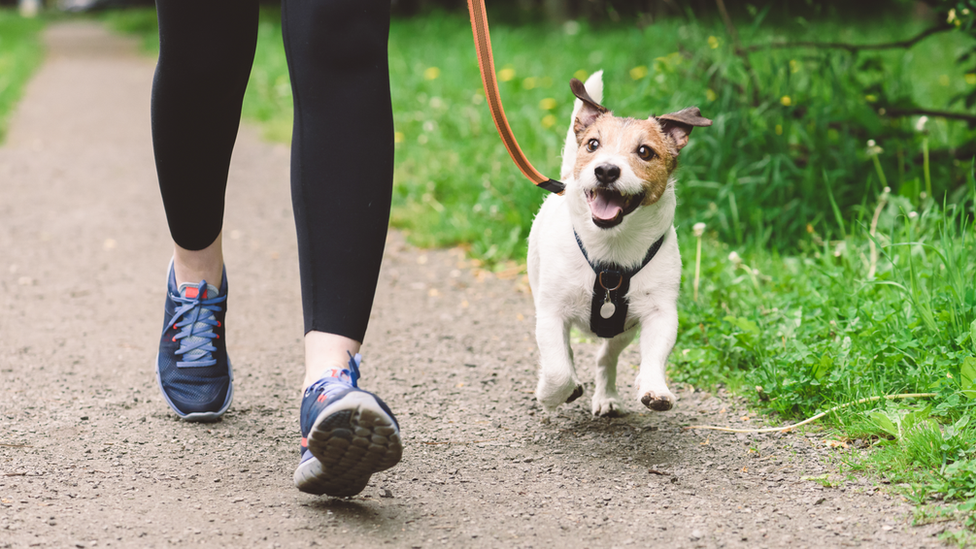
point(547, 104)
point(548, 121)
point(529, 83)
point(398, 137)
point(712, 42)
point(794, 66)
point(637, 73)
point(581, 74)
point(506, 74)
point(971, 78)
point(871, 98)
point(710, 94)
point(786, 101)
point(432, 73)
point(779, 129)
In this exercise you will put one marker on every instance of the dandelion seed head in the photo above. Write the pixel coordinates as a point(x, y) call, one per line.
point(734, 258)
point(698, 229)
point(873, 148)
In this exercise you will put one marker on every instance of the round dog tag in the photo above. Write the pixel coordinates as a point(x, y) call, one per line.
point(607, 309)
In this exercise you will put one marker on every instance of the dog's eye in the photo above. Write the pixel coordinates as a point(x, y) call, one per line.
point(645, 152)
point(592, 145)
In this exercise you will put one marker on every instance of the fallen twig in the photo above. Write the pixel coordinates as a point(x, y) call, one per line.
point(433, 443)
point(814, 418)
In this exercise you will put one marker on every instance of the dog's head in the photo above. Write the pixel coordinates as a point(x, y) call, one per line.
point(624, 163)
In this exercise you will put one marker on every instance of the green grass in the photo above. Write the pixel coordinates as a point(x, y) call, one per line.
point(804, 309)
point(800, 333)
point(21, 53)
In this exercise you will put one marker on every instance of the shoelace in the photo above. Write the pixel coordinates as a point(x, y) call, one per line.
point(352, 371)
point(196, 328)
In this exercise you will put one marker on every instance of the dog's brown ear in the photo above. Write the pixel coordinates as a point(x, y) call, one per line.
point(678, 125)
point(590, 111)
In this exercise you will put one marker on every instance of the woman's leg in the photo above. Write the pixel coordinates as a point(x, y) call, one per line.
point(206, 51)
point(342, 178)
point(205, 55)
point(342, 166)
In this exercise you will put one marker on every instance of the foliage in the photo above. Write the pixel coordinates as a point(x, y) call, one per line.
point(823, 328)
point(758, 174)
point(21, 53)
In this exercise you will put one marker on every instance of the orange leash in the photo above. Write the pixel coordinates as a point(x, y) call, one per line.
point(482, 43)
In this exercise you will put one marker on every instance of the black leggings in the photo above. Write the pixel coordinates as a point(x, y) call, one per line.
point(342, 144)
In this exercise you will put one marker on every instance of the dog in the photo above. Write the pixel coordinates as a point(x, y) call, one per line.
point(604, 255)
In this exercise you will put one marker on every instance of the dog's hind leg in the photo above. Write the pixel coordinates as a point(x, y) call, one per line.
point(658, 334)
point(606, 400)
point(557, 374)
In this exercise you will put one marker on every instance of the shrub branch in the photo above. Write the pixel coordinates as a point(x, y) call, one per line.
point(853, 48)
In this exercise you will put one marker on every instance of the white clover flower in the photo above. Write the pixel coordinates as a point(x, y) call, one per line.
point(698, 229)
point(920, 125)
point(912, 215)
point(871, 143)
point(734, 258)
point(887, 190)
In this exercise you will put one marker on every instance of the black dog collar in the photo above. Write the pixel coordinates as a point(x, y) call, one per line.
point(608, 309)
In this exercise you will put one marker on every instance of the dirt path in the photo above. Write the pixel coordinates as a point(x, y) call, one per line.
point(90, 455)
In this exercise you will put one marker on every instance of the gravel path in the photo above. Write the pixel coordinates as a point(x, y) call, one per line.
point(90, 455)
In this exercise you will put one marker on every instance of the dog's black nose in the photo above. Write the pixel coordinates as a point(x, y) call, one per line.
point(607, 173)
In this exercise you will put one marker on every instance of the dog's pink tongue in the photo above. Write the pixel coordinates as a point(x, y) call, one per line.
point(606, 206)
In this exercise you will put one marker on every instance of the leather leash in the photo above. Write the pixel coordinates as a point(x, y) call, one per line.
point(482, 44)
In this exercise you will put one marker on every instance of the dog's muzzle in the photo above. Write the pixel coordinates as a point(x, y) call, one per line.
point(608, 206)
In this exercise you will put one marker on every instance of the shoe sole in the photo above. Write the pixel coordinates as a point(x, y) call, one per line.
point(199, 417)
point(350, 440)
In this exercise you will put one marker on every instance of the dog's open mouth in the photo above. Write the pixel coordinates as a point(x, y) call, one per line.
point(608, 207)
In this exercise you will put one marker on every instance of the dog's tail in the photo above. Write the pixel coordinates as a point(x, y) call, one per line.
point(594, 87)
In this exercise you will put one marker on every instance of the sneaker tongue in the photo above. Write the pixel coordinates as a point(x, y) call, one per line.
point(191, 291)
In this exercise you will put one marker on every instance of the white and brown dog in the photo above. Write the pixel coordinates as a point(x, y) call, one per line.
point(604, 256)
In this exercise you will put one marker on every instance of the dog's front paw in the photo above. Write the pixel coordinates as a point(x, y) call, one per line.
point(608, 406)
point(660, 400)
point(551, 395)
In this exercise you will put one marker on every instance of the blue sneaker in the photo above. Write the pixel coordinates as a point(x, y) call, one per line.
point(347, 435)
point(192, 367)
